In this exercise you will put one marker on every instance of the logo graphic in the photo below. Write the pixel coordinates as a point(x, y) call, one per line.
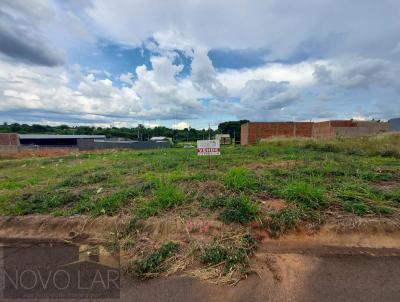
point(59, 270)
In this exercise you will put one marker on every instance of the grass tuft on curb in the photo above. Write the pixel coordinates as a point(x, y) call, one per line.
point(153, 264)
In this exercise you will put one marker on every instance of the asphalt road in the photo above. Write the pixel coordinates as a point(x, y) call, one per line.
point(302, 278)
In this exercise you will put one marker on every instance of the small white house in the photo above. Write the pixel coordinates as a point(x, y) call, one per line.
point(224, 139)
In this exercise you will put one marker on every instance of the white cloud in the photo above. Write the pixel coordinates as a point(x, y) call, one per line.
point(126, 78)
point(357, 72)
point(261, 99)
point(204, 76)
point(180, 126)
point(281, 26)
point(159, 91)
point(155, 94)
point(309, 65)
point(298, 75)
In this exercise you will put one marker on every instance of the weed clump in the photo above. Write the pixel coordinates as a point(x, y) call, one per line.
point(240, 179)
point(84, 178)
point(153, 264)
point(248, 243)
point(110, 204)
point(239, 209)
point(394, 196)
point(44, 201)
point(360, 199)
point(283, 221)
point(213, 202)
point(166, 196)
point(214, 254)
point(357, 207)
point(306, 194)
point(233, 258)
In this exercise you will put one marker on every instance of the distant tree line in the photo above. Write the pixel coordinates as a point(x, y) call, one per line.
point(232, 128)
point(138, 133)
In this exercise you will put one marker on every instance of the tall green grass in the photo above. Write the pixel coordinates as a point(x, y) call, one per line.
point(166, 196)
point(240, 179)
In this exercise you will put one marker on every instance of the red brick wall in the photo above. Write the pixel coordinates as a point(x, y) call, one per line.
point(303, 129)
point(9, 142)
point(343, 123)
point(254, 132)
point(9, 139)
point(323, 129)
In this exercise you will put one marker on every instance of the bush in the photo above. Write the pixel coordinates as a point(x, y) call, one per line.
point(240, 179)
point(154, 262)
point(239, 209)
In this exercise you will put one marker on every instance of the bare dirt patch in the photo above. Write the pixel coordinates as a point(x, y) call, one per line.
point(386, 185)
point(349, 231)
point(273, 204)
point(208, 188)
point(69, 228)
point(271, 164)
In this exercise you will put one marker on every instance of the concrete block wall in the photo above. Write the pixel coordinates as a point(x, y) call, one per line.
point(362, 128)
point(394, 124)
point(92, 144)
point(254, 132)
point(244, 134)
point(328, 128)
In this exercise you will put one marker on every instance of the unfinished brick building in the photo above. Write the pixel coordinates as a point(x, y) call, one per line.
point(254, 132)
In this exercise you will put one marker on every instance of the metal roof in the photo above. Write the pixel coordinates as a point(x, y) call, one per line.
point(56, 136)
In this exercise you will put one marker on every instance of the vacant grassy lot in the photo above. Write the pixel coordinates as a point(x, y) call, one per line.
point(278, 184)
point(359, 176)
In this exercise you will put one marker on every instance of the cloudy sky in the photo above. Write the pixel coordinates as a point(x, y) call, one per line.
point(175, 63)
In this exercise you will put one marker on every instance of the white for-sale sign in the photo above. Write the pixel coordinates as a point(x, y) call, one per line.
point(208, 147)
